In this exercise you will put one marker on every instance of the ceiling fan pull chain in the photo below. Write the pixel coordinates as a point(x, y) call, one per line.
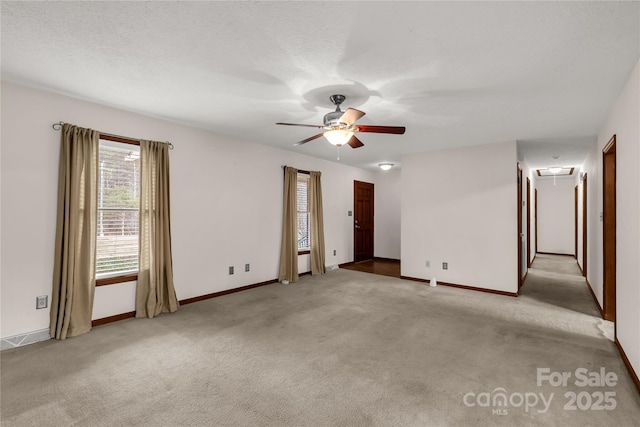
point(338, 152)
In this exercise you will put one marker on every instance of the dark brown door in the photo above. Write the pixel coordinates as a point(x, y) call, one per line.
point(584, 225)
point(362, 221)
point(519, 212)
point(609, 229)
point(528, 222)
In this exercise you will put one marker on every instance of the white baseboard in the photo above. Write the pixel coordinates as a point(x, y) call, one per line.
point(24, 339)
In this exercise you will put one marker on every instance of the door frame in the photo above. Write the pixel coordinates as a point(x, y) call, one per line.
point(535, 215)
point(575, 221)
point(584, 225)
point(528, 222)
point(355, 225)
point(609, 230)
point(519, 213)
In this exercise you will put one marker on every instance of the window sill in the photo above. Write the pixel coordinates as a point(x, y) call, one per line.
point(117, 279)
point(305, 252)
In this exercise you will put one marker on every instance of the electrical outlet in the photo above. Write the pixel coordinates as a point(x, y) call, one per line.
point(42, 302)
point(247, 267)
point(230, 270)
point(445, 265)
point(334, 252)
point(427, 263)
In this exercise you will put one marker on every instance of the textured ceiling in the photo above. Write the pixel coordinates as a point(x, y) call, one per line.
point(455, 74)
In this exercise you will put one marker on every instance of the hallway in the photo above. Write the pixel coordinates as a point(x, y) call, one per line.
point(554, 295)
point(554, 284)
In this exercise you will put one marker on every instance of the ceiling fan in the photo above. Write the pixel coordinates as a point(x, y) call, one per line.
point(339, 127)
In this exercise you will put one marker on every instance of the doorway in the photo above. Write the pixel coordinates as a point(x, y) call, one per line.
point(584, 225)
point(520, 235)
point(609, 229)
point(528, 264)
point(535, 216)
point(362, 221)
point(575, 222)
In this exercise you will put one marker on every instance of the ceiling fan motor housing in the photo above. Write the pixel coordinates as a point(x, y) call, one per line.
point(333, 119)
point(337, 100)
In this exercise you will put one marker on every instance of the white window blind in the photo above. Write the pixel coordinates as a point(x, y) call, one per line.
point(118, 208)
point(304, 241)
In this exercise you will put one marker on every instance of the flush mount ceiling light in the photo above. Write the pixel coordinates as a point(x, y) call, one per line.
point(555, 169)
point(385, 166)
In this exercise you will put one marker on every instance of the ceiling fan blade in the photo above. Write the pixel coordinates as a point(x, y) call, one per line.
point(350, 116)
point(304, 141)
point(398, 130)
point(296, 124)
point(355, 142)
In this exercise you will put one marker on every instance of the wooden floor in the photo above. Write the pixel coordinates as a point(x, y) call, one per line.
point(384, 267)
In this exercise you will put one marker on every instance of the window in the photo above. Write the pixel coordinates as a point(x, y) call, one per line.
point(304, 240)
point(118, 208)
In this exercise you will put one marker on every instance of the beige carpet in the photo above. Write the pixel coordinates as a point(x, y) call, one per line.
point(347, 349)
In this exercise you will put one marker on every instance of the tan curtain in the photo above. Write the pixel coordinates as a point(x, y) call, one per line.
point(155, 293)
point(317, 224)
point(75, 247)
point(289, 248)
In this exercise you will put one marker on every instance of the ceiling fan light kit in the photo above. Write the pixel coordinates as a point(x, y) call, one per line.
point(339, 127)
point(338, 137)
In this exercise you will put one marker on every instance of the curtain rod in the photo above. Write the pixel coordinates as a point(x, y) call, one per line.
point(299, 170)
point(59, 126)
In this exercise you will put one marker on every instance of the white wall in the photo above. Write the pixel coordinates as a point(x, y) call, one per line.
point(226, 204)
point(623, 121)
point(460, 206)
point(556, 222)
point(388, 189)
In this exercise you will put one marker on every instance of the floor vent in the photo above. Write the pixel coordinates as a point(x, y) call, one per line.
point(24, 339)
